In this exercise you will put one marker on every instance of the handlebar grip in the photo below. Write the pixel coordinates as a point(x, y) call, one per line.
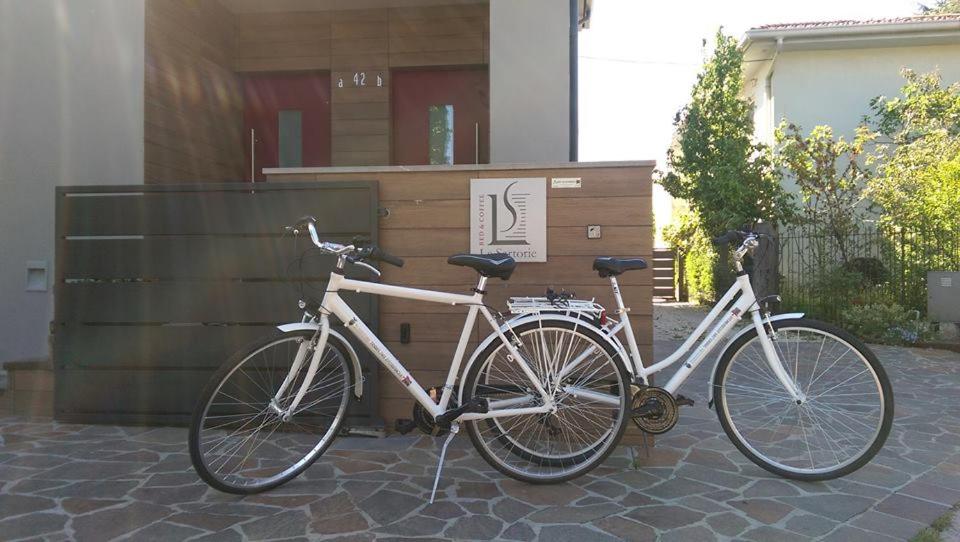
point(379, 254)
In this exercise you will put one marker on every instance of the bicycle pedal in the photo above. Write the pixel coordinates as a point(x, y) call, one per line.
point(476, 405)
point(648, 408)
point(684, 401)
point(404, 425)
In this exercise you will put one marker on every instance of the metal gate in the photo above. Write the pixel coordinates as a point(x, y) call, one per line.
point(157, 285)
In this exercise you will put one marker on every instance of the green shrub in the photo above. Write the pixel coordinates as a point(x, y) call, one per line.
point(871, 270)
point(699, 262)
point(821, 294)
point(886, 324)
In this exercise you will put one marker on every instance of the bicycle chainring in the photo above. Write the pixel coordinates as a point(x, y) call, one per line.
point(659, 412)
point(425, 422)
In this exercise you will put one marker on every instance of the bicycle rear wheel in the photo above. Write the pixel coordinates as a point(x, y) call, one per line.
point(841, 425)
point(240, 443)
point(592, 402)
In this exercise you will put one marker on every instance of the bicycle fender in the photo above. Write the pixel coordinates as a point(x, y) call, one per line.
point(742, 332)
point(354, 359)
point(522, 319)
point(615, 339)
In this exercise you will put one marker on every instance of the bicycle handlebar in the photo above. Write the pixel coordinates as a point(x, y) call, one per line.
point(729, 237)
point(381, 255)
point(350, 251)
point(738, 236)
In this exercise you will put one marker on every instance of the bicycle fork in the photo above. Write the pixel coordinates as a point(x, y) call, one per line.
point(774, 361)
point(319, 346)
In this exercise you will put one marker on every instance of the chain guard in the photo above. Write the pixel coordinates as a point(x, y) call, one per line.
point(665, 412)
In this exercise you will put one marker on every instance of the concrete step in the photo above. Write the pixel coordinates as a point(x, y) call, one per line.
point(28, 389)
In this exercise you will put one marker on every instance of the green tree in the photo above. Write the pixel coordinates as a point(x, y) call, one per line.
point(830, 176)
point(917, 186)
point(941, 7)
point(917, 183)
point(727, 178)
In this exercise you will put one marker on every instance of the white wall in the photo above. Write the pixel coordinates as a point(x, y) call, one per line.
point(71, 112)
point(529, 81)
point(835, 87)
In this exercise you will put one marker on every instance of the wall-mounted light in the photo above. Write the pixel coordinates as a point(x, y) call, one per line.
point(37, 276)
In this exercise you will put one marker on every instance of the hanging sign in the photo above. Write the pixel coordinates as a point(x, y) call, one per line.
point(509, 215)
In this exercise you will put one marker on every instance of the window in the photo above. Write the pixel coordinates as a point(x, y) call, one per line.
point(290, 128)
point(440, 119)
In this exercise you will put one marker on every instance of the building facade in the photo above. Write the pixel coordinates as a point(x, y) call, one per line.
point(828, 72)
point(174, 91)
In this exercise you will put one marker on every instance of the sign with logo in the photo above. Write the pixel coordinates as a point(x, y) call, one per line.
point(509, 215)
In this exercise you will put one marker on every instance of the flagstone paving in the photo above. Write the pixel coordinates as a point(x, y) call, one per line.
point(82, 482)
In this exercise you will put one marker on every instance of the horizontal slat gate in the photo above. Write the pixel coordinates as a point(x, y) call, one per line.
point(664, 269)
point(157, 285)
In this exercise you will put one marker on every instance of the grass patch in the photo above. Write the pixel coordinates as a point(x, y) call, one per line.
point(939, 525)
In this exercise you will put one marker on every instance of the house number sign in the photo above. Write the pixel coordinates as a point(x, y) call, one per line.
point(362, 79)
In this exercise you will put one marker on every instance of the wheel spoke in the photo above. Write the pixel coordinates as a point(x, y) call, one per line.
point(243, 441)
point(837, 424)
point(580, 431)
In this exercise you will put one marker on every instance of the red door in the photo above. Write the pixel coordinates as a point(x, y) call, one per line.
point(290, 118)
point(441, 117)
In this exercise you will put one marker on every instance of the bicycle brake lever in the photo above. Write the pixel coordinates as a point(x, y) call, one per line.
point(368, 266)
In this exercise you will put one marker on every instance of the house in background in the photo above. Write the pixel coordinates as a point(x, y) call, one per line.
point(827, 72)
point(172, 91)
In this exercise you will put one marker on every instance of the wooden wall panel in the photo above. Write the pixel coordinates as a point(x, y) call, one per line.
point(193, 102)
point(289, 41)
point(428, 220)
point(361, 46)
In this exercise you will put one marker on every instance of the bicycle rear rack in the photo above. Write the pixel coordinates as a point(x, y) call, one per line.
point(535, 305)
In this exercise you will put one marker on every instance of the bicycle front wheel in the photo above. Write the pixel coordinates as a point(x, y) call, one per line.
point(239, 440)
point(838, 428)
point(589, 385)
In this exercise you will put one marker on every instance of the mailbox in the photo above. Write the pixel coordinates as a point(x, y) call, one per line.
point(943, 296)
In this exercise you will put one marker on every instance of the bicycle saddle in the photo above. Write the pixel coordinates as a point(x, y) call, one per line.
point(608, 266)
point(489, 265)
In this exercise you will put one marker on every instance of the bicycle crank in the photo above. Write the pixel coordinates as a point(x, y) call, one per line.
point(654, 410)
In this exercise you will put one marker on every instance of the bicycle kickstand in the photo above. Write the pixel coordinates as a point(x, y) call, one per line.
point(454, 427)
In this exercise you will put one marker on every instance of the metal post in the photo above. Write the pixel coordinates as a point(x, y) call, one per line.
point(766, 272)
point(253, 177)
point(903, 266)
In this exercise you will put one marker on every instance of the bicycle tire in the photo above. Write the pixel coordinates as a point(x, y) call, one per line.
point(864, 355)
point(579, 463)
point(219, 379)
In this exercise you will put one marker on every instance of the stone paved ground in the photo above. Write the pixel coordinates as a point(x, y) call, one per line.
point(76, 482)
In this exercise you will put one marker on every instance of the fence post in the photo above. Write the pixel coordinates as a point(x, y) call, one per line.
point(766, 263)
point(680, 272)
point(903, 268)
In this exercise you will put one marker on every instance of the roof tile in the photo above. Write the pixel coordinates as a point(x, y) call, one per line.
point(951, 17)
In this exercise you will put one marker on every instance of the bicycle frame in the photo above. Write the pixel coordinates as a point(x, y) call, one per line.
point(333, 305)
point(745, 303)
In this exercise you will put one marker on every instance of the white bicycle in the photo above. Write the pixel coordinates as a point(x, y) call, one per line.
point(800, 398)
point(545, 398)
